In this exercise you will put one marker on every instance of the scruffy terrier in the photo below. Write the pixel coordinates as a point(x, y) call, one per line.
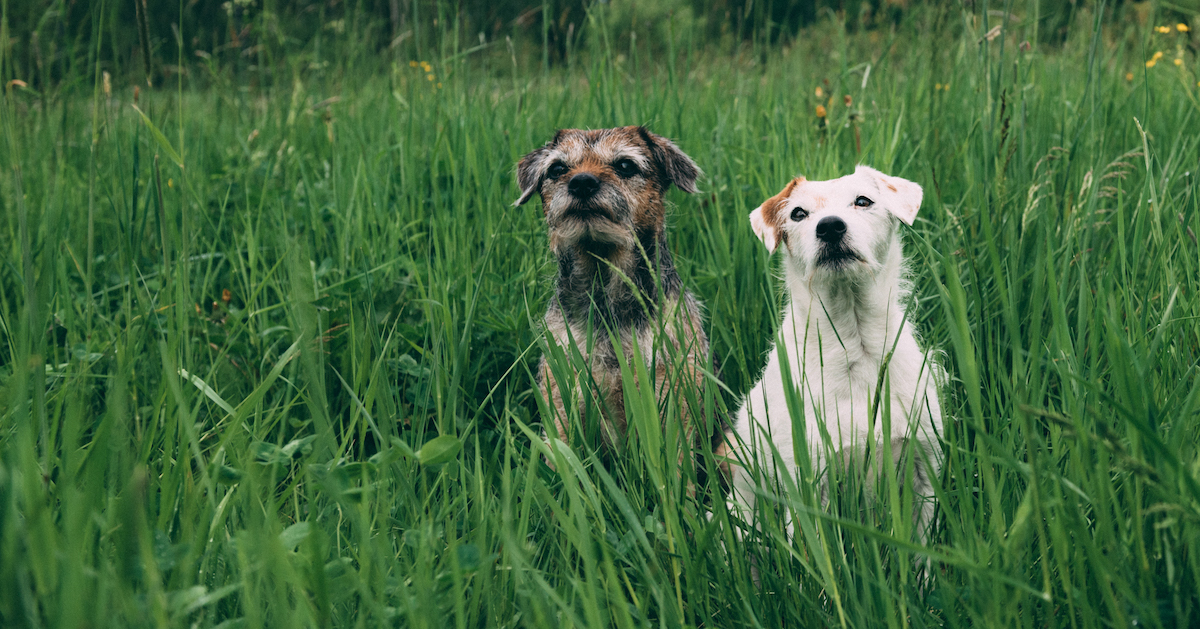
point(844, 335)
point(602, 194)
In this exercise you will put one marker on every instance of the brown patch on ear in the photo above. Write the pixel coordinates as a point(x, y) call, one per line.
point(774, 210)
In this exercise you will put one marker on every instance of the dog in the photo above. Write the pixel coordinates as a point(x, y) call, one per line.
point(603, 199)
point(843, 333)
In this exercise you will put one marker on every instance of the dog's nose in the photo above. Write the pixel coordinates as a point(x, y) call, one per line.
point(831, 229)
point(583, 185)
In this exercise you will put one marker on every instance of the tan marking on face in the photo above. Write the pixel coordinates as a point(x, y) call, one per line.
point(890, 187)
point(601, 149)
point(595, 152)
point(774, 210)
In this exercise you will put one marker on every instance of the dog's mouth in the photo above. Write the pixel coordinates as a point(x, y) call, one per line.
point(592, 229)
point(837, 256)
point(587, 212)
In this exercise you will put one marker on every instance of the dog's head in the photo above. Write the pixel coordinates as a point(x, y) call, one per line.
point(604, 187)
point(845, 227)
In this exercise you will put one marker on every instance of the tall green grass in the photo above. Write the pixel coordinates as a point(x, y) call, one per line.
point(266, 352)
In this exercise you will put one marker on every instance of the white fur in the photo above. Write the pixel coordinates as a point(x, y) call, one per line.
point(838, 328)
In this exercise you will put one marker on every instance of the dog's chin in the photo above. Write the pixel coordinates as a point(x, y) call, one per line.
point(587, 212)
point(591, 233)
point(836, 258)
point(839, 263)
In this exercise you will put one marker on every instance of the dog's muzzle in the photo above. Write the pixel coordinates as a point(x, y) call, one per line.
point(831, 231)
point(584, 203)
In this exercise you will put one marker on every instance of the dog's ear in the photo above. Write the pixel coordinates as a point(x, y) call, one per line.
point(901, 197)
point(679, 168)
point(762, 229)
point(530, 171)
point(765, 218)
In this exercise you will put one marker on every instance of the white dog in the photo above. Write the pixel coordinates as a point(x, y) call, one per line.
point(843, 332)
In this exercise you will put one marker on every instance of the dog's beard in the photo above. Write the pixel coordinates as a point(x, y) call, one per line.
point(837, 257)
point(595, 224)
point(592, 234)
point(837, 265)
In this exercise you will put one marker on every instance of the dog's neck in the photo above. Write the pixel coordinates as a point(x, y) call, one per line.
point(844, 321)
point(594, 280)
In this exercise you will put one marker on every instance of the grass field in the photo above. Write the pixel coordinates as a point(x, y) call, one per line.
point(266, 347)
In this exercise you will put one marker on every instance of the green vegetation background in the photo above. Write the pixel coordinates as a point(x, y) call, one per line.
point(268, 320)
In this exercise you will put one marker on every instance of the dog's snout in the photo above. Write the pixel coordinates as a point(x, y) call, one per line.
point(583, 185)
point(831, 229)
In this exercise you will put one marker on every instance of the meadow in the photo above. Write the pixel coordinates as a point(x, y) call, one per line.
point(268, 328)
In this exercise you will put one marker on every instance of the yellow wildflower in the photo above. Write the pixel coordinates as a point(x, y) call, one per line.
point(1163, 29)
point(820, 110)
point(1128, 76)
point(1153, 60)
point(426, 67)
point(820, 92)
point(1179, 62)
point(1181, 27)
point(439, 86)
point(937, 87)
point(429, 76)
point(413, 64)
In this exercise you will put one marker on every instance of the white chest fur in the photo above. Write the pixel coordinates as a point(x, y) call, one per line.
point(845, 357)
point(834, 368)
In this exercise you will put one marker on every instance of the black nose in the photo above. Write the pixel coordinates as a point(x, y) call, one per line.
point(583, 185)
point(831, 229)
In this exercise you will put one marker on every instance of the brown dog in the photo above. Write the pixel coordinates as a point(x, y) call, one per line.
point(602, 193)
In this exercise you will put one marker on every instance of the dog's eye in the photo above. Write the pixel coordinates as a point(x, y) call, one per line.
point(863, 202)
point(798, 214)
point(625, 167)
point(556, 170)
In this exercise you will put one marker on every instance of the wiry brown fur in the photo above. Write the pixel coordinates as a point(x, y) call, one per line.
point(604, 244)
